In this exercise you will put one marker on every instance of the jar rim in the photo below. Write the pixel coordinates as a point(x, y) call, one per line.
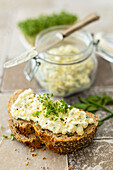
point(46, 31)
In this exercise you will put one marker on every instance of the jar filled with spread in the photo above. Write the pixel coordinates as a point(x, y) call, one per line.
point(70, 66)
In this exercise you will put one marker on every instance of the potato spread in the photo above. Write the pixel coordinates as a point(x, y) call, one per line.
point(65, 79)
point(56, 116)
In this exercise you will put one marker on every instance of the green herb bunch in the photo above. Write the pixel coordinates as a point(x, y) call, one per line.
point(54, 108)
point(31, 27)
point(94, 103)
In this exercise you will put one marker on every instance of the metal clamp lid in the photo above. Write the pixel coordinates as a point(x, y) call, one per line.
point(104, 47)
point(31, 68)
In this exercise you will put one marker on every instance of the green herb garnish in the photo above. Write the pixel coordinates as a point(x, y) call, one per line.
point(36, 113)
point(51, 95)
point(94, 103)
point(4, 136)
point(36, 123)
point(12, 136)
point(70, 108)
point(61, 119)
point(55, 119)
point(49, 111)
point(51, 118)
point(46, 115)
point(53, 108)
point(81, 106)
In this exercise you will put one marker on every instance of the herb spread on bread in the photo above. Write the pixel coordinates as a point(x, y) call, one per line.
point(56, 116)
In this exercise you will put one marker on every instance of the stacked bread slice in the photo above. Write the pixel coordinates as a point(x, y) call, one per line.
point(32, 135)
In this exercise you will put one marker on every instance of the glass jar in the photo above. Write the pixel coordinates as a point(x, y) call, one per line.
point(69, 67)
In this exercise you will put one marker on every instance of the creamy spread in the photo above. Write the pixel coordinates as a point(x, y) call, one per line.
point(65, 79)
point(56, 116)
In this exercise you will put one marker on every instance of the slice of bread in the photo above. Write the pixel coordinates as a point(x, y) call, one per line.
point(30, 140)
point(59, 143)
point(67, 143)
point(22, 129)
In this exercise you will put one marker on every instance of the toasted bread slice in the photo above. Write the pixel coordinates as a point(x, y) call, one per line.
point(67, 143)
point(30, 140)
point(22, 128)
point(58, 143)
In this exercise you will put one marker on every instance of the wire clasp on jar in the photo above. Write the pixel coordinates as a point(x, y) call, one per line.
point(31, 68)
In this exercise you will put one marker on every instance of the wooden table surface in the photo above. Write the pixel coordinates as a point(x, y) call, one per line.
point(99, 155)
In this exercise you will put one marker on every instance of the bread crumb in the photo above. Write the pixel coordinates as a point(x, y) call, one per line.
point(43, 149)
point(31, 149)
point(28, 158)
point(44, 157)
point(34, 154)
point(70, 167)
point(15, 149)
point(27, 163)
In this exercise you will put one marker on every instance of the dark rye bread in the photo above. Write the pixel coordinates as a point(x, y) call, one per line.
point(59, 143)
point(68, 143)
point(30, 140)
point(23, 128)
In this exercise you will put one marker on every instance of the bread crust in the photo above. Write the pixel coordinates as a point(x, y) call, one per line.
point(30, 140)
point(59, 143)
point(22, 128)
point(67, 143)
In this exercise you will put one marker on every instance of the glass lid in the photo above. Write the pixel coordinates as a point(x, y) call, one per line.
point(104, 45)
